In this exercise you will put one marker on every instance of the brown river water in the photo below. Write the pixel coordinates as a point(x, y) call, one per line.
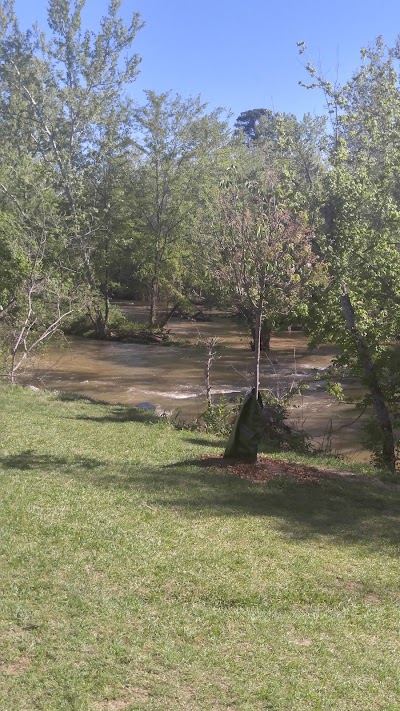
point(172, 378)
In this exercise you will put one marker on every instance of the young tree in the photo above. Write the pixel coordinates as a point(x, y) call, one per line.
point(264, 253)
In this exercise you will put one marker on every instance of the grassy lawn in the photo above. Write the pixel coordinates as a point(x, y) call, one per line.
point(131, 578)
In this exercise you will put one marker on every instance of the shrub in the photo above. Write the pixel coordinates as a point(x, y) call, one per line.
point(276, 433)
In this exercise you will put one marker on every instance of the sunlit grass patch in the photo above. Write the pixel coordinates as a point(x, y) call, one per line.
point(133, 578)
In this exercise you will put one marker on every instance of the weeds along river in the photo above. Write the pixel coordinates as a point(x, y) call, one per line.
point(172, 377)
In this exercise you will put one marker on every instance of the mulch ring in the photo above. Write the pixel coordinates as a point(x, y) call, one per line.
point(266, 469)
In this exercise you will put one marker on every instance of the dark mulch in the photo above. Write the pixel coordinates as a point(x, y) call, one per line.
point(266, 469)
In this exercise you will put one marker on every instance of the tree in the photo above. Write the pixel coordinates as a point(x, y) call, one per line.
point(64, 97)
point(176, 143)
point(37, 293)
point(359, 235)
point(264, 253)
point(249, 122)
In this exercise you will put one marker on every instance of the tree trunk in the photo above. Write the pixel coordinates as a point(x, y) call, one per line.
point(100, 327)
point(265, 336)
point(371, 379)
point(13, 368)
point(106, 284)
point(99, 322)
point(165, 317)
point(153, 302)
point(257, 346)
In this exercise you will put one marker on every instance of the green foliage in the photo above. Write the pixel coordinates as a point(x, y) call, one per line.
point(13, 261)
point(276, 433)
point(79, 325)
point(118, 325)
point(218, 418)
point(359, 232)
point(249, 122)
point(290, 152)
point(373, 439)
point(176, 144)
point(64, 109)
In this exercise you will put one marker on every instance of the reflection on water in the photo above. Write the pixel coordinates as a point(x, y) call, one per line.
point(172, 378)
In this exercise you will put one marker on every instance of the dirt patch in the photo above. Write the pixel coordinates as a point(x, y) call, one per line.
point(266, 469)
point(131, 695)
point(18, 667)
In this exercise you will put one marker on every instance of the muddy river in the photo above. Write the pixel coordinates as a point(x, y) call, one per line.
point(171, 379)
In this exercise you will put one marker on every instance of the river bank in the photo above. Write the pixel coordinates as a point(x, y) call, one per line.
point(172, 379)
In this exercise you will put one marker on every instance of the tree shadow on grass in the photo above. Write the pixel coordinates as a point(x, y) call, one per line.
point(348, 511)
point(123, 414)
point(351, 511)
point(28, 460)
point(68, 396)
point(119, 413)
point(220, 444)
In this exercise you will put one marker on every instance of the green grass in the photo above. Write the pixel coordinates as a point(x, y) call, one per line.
point(131, 578)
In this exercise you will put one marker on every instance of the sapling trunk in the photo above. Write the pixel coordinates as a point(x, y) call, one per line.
point(211, 345)
point(257, 346)
point(153, 302)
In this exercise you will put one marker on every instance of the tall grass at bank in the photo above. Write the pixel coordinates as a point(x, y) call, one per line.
point(132, 578)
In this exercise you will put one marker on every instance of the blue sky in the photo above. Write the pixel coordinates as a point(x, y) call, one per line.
point(243, 55)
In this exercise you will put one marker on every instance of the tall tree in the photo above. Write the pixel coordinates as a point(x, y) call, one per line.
point(63, 95)
point(176, 144)
point(249, 122)
point(288, 150)
point(359, 235)
point(36, 291)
